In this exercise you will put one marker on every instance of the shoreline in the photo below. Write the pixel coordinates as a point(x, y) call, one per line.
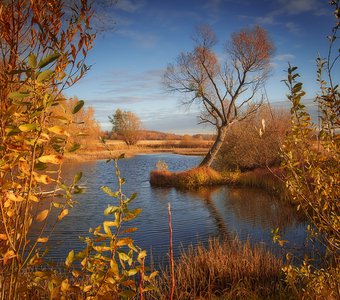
point(130, 152)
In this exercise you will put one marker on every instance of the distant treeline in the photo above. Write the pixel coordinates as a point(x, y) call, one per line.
point(157, 135)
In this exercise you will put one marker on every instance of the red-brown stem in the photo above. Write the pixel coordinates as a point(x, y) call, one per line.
point(141, 272)
point(172, 267)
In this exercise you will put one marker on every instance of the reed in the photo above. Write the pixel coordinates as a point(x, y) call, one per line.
point(225, 270)
point(270, 180)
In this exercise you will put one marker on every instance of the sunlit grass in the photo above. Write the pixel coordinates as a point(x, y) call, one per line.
point(268, 180)
point(226, 270)
point(196, 177)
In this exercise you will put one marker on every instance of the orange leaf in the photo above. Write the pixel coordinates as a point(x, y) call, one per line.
point(63, 214)
point(42, 215)
point(3, 236)
point(42, 240)
point(8, 255)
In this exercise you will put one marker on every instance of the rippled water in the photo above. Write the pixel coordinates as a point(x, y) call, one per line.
point(196, 215)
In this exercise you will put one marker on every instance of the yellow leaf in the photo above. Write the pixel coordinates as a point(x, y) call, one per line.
point(114, 267)
point(42, 215)
point(83, 262)
point(65, 285)
point(42, 178)
point(42, 240)
point(141, 255)
point(33, 198)
point(12, 197)
point(76, 273)
point(52, 158)
point(87, 288)
point(101, 248)
point(69, 259)
point(153, 275)
point(132, 272)
point(124, 241)
point(123, 256)
point(63, 214)
point(58, 130)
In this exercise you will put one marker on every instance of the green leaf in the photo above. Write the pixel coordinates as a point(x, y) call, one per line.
point(108, 191)
point(48, 59)
point(12, 130)
point(18, 95)
point(77, 177)
point(57, 147)
point(28, 127)
point(45, 75)
point(110, 210)
point(40, 166)
point(78, 106)
point(133, 197)
point(77, 190)
point(123, 256)
point(74, 147)
point(32, 60)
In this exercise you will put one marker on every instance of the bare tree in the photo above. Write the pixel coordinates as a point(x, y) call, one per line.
point(126, 125)
point(227, 93)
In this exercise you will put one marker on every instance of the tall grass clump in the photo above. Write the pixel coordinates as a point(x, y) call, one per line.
point(193, 178)
point(270, 180)
point(226, 270)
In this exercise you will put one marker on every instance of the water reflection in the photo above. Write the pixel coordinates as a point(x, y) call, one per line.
point(197, 215)
point(259, 208)
point(206, 195)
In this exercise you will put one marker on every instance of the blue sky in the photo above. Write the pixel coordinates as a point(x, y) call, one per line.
point(129, 61)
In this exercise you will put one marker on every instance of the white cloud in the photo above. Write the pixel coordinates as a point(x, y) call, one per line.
point(142, 39)
point(284, 57)
point(293, 28)
point(295, 7)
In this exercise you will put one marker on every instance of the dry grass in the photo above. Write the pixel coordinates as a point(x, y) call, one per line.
point(226, 270)
point(196, 177)
point(117, 147)
point(268, 180)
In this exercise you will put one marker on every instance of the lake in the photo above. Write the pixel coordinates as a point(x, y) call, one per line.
point(197, 215)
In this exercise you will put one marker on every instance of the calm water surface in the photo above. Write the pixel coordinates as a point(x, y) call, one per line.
point(196, 215)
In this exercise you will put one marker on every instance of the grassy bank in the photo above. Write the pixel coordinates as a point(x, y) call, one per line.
point(196, 177)
point(225, 270)
point(268, 180)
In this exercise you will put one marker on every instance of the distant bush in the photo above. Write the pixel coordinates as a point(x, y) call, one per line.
point(254, 142)
point(83, 128)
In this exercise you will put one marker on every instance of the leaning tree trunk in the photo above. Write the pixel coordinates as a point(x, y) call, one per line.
point(215, 148)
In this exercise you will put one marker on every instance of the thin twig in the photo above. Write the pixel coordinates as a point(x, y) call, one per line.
point(172, 267)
